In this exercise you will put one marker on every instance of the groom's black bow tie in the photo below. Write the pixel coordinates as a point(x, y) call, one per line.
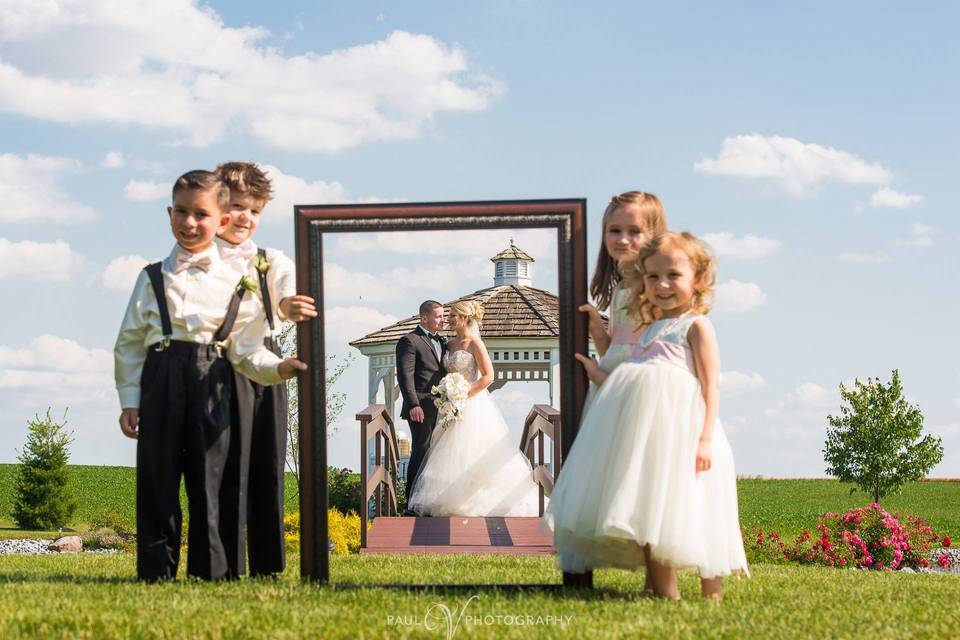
point(435, 336)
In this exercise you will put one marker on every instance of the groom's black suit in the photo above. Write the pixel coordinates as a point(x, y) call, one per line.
point(418, 369)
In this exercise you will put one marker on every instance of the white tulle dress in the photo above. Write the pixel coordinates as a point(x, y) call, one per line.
point(630, 480)
point(475, 467)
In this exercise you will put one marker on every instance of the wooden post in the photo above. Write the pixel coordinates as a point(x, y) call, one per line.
point(364, 507)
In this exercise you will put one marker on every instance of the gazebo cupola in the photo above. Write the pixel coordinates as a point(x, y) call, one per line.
point(512, 266)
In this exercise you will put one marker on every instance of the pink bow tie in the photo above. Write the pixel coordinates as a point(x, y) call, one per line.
point(187, 260)
point(245, 250)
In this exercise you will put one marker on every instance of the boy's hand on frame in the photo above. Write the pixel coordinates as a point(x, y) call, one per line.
point(298, 308)
point(289, 368)
point(129, 419)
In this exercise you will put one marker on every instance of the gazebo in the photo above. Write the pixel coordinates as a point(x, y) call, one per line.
point(520, 328)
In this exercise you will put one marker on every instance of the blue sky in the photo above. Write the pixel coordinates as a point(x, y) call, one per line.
point(814, 145)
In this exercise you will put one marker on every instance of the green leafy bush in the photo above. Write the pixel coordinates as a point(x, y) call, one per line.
point(875, 441)
point(343, 487)
point(344, 530)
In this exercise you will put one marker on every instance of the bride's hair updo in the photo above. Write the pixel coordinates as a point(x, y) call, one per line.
point(469, 309)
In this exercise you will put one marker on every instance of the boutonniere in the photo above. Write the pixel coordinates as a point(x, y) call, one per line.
point(247, 283)
point(261, 263)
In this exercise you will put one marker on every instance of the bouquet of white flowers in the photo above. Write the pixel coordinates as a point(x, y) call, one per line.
point(451, 394)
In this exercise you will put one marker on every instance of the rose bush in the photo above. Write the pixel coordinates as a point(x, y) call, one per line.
point(867, 537)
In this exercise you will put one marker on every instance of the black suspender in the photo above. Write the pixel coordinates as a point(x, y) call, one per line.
point(156, 280)
point(264, 290)
point(223, 331)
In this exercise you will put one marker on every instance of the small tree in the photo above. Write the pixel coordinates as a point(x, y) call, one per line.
point(875, 442)
point(42, 499)
point(335, 401)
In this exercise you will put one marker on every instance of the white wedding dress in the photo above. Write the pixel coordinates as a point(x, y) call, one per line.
point(474, 467)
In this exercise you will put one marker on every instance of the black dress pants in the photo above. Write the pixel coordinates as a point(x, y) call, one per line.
point(420, 441)
point(184, 430)
point(257, 462)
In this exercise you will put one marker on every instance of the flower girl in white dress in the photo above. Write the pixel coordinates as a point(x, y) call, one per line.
point(473, 467)
point(667, 496)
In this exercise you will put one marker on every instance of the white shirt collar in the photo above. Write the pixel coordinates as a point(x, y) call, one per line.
point(220, 242)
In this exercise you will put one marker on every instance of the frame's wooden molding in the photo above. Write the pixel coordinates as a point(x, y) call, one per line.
point(568, 217)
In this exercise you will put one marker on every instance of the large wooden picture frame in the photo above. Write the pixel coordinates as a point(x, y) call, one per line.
point(568, 217)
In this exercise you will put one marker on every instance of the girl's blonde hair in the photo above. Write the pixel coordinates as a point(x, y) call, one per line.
point(606, 276)
point(704, 274)
point(469, 309)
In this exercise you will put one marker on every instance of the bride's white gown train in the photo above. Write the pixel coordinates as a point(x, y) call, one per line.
point(474, 468)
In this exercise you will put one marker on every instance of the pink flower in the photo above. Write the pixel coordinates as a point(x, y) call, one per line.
point(944, 561)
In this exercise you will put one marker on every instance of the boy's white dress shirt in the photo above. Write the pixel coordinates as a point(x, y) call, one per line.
point(281, 276)
point(198, 291)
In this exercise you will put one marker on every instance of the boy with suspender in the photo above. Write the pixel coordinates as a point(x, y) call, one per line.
point(188, 320)
point(260, 457)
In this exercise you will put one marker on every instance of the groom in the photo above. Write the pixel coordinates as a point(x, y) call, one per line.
point(419, 367)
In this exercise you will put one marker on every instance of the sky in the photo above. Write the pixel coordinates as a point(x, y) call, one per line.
point(814, 146)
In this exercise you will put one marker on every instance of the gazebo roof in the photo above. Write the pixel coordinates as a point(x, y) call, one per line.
point(512, 253)
point(511, 311)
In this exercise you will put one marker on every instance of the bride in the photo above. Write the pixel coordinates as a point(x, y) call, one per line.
point(473, 467)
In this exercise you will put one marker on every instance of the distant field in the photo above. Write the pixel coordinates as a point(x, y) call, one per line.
point(789, 506)
point(98, 489)
point(786, 506)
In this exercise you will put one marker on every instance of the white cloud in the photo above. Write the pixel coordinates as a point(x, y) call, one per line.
point(145, 191)
point(121, 274)
point(51, 370)
point(113, 160)
point(887, 197)
point(799, 168)
point(806, 406)
point(735, 382)
point(812, 394)
point(30, 188)
point(876, 257)
point(341, 284)
point(291, 190)
point(352, 322)
point(734, 296)
point(748, 247)
point(53, 353)
point(483, 242)
point(177, 68)
point(946, 430)
point(44, 261)
point(921, 235)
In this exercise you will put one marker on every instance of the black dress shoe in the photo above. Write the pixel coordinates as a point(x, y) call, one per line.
point(408, 513)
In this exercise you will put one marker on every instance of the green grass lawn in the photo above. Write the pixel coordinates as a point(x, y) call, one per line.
point(96, 597)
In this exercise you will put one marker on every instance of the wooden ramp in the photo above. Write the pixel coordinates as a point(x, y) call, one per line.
point(516, 536)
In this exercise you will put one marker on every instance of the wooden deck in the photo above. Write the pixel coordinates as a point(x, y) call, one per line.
point(515, 536)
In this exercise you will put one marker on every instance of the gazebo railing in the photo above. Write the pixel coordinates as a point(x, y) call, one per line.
point(542, 421)
point(376, 423)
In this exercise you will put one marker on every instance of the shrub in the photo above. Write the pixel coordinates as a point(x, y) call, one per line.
point(43, 500)
point(113, 519)
point(107, 539)
point(344, 530)
point(343, 487)
point(867, 537)
point(875, 441)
